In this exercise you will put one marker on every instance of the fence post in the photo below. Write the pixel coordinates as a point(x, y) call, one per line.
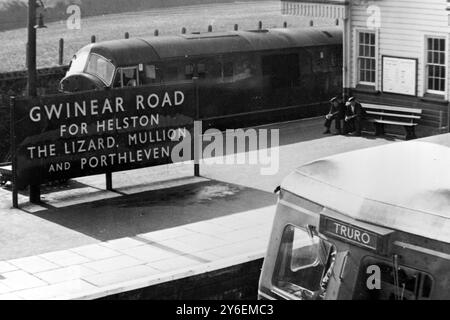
point(236, 27)
point(210, 28)
point(311, 23)
point(285, 24)
point(93, 39)
point(61, 52)
point(183, 30)
point(260, 25)
point(156, 33)
point(127, 35)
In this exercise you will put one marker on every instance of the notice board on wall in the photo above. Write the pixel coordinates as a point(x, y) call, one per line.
point(400, 75)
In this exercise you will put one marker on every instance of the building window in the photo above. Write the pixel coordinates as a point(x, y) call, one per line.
point(436, 66)
point(366, 58)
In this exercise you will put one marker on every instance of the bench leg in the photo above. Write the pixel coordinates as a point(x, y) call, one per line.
point(410, 133)
point(379, 129)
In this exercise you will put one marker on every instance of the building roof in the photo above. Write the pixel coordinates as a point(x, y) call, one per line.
point(134, 51)
point(402, 186)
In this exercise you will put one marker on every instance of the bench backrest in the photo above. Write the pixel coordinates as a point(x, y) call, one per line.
point(369, 106)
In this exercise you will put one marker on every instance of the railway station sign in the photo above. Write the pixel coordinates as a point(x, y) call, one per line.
point(73, 135)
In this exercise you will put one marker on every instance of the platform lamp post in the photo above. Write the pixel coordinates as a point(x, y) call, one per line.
point(35, 194)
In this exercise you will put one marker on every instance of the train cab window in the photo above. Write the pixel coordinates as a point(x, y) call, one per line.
point(303, 266)
point(397, 282)
point(127, 77)
point(101, 68)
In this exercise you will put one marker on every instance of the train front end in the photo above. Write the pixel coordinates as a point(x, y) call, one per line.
point(87, 71)
point(346, 231)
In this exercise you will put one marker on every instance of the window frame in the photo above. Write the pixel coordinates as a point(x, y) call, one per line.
point(115, 68)
point(276, 274)
point(120, 70)
point(358, 57)
point(443, 93)
point(379, 260)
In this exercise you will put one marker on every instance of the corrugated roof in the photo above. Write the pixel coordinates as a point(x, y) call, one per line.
point(402, 186)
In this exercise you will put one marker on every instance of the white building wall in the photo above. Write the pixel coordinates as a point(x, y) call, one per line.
point(401, 31)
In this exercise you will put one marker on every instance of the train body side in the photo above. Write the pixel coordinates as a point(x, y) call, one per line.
point(267, 75)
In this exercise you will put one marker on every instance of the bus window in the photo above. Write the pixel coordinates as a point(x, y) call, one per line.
point(396, 283)
point(304, 265)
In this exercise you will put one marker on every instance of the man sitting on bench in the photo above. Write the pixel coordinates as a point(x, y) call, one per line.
point(353, 117)
point(337, 114)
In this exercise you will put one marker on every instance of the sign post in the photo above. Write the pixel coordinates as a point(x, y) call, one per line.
point(197, 135)
point(15, 200)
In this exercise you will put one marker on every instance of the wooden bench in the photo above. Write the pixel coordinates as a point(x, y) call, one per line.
point(381, 115)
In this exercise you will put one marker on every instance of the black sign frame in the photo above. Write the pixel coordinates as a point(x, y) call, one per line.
point(183, 115)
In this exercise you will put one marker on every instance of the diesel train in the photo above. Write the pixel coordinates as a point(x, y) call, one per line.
point(377, 231)
point(242, 77)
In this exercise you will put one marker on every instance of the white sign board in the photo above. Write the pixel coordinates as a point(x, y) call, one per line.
point(399, 75)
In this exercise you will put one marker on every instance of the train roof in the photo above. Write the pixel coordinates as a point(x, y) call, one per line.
point(402, 186)
point(140, 50)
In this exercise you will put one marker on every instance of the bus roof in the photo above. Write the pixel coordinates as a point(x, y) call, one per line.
point(133, 51)
point(402, 186)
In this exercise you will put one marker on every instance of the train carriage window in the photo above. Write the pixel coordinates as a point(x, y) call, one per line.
point(397, 282)
point(304, 264)
point(189, 71)
point(150, 73)
point(175, 71)
point(282, 70)
point(209, 69)
point(201, 70)
point(228, 71)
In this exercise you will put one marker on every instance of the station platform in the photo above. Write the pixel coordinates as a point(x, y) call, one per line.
point(158, 225)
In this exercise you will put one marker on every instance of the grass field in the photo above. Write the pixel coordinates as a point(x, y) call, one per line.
point(167, 21)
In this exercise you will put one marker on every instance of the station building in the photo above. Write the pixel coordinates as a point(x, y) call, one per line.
point(396, 52)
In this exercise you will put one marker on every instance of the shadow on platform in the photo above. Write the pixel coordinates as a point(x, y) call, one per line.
point(133, 214)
